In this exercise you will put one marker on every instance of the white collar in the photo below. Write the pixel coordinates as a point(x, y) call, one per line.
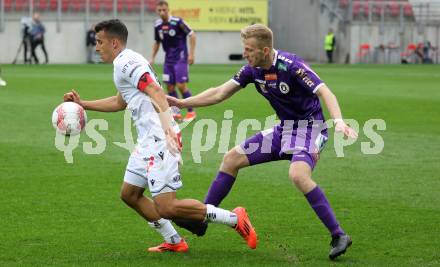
point(275, 57)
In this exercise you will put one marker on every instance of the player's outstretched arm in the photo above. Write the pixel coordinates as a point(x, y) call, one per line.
point(208, 97)
point(109, 104)
point(332, 105)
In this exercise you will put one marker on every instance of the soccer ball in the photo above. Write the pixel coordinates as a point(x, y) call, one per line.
point(69, 118)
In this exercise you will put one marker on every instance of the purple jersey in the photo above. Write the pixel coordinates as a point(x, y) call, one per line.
point(172, 34)
point(289, 85)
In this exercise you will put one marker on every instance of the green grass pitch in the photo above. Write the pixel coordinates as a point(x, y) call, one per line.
point(59, 214)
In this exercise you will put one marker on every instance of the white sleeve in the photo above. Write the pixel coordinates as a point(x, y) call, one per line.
point(132, 70)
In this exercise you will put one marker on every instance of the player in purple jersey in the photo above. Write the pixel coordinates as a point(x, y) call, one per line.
point(172, 32)
point(293, 90)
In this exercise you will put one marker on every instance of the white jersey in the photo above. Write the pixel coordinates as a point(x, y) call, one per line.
point(129, 66)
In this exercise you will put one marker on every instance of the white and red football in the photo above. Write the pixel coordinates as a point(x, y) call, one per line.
point(69, 118)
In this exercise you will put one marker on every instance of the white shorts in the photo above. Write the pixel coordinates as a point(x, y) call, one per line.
point(154, 165)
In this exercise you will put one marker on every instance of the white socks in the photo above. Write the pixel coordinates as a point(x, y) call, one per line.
point(166, 230)
point(217, 215)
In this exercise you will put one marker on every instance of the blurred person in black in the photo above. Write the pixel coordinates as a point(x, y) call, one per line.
point(90, 44)
point(37, 37)
point(26, 23)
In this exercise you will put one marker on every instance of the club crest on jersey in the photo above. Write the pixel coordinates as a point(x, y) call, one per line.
point(172, 32)
point(270, 77)
point(284, 88)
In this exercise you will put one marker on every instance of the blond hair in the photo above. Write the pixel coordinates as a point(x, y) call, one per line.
point(260, 32)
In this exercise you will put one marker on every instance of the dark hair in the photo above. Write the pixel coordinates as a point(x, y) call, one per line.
point(162, 2)
point(114, 28)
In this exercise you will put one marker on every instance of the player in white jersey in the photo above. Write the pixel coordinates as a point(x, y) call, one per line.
point(154, 162)
point(2, 82)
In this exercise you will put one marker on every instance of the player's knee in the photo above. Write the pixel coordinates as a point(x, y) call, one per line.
point(298, 178)
point(182, 87)
point(232, 160)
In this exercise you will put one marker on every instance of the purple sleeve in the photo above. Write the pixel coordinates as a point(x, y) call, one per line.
point(305, 77)
point(244, 76)
point(184, 27)
point(156, 35)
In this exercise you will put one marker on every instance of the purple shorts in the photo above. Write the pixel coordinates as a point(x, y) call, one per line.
point(294, 142)
point(175, 73)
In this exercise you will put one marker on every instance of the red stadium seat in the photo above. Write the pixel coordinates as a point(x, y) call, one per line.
point(21, 5)
point(53, 5)
point(343, 3)
point(366, 8)
point(378, 7)
point(42, 4)
point(136, 5)
point(150, 5)
point(129, 7)
point(95, 5)
point(120, 5)
point(356, 8)
point(132, 5)
point(108, 5)
point(408, 10)
point(8, 5)
point(78, 5)
point(64, 5)
point(394, 8)
point(364, 53)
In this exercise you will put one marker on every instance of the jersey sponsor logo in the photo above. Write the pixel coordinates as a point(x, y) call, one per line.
point(165, 27)
point(173, 22)
point(172, 32)
point(285, 59)
point(306, 79)
point(270, 77)
point(282, 66)
point(272, 85)
point(129, 64)
point(284, 88)
point(135, 68)
point(161, 154)
point(152, 181)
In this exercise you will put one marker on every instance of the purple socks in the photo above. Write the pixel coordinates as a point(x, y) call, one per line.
point(186, 95)
point(219, 189)
point(322, 208)
point(173, 94)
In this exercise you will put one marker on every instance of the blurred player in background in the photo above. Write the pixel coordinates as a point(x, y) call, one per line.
point(2, 82)
point(172, 32)
point(37, 38)
point(293, 90)
point(155, 159)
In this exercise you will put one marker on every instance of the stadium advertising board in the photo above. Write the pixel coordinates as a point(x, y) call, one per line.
point(225, 15)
